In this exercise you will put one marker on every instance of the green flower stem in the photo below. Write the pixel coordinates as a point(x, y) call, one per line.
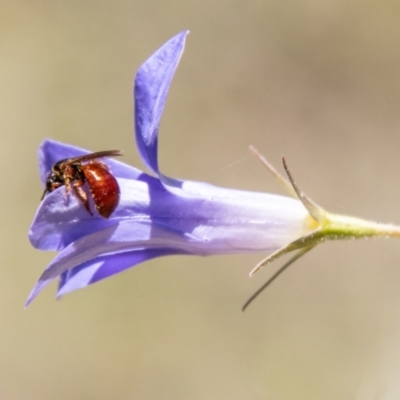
point(336, 227)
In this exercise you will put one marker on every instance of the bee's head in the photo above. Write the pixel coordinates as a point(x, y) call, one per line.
point(54, 179)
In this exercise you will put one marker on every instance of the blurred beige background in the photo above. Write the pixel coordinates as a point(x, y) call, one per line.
point(318, 81)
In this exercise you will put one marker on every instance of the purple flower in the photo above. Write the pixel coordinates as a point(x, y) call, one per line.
point(156, 215)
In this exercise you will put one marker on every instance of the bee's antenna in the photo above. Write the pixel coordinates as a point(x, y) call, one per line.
point(44, 194)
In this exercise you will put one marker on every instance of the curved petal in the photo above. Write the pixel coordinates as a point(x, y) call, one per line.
point(51, 152)
point(150, 92)
point(125, 237)
point(105, 266)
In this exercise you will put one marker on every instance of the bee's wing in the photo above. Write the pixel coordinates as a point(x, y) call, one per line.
point(91, 156)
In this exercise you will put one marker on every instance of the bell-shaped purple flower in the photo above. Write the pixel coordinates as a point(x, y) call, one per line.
point(156, 215)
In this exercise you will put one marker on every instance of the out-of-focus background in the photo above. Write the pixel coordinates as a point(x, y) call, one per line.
point(317, 81)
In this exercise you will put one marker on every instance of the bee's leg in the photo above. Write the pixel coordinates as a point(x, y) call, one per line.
point(68, 177)
point(81, 194)
point(67, 186)
point(67, 183)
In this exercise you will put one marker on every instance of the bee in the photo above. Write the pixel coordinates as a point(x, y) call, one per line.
point(73, 173)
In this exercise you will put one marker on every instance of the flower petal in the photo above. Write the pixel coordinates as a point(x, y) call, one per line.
point(125, 237)
point(150, 92)
point(105, 266)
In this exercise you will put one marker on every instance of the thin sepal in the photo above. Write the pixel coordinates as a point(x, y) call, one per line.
point(279, 177)
point(317, 212)
point(299, 254)
point(307, 241)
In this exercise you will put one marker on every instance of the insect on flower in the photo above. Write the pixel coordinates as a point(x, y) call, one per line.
point(159, 215)
point(102, 184)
